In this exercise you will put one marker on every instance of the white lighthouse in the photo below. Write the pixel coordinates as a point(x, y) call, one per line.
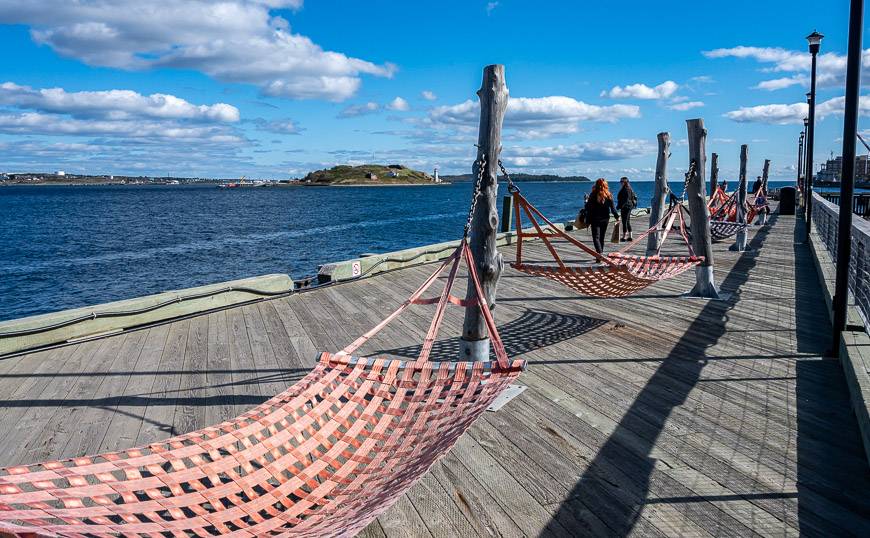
point(437, 178)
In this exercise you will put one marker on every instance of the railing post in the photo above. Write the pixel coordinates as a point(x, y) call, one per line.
point(506, 213)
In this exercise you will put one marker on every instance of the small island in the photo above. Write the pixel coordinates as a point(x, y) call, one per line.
point(370, 174)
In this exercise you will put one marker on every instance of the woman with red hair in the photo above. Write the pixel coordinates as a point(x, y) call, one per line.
point(599, 207)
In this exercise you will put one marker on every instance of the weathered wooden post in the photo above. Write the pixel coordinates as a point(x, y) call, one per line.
point(660, 193)
point(493, 96)
point(698, 212)
point(764, 174)
point(506, 213)
point(714, 173)
point(740, 244)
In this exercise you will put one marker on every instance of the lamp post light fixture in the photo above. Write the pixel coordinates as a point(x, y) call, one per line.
point(815, 41)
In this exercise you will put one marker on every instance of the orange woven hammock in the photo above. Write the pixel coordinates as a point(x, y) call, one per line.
point(723, 219)
point(618, 274)
point(324, 458)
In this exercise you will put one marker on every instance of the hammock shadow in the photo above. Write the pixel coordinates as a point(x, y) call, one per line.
point(534, 329)
point(616, 482)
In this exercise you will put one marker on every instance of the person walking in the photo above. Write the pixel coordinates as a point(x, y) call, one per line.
point(599, 207)
point(626, 201)
point(762, 208)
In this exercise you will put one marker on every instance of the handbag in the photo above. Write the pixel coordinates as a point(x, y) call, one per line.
point(580, 222)
point(614, 237)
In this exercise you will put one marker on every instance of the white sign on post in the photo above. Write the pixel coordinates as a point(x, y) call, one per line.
point(355, 269)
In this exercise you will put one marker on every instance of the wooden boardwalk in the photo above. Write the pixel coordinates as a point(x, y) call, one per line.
point(650, 415)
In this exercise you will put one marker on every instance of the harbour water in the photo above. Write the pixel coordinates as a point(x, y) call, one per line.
point(67, 246)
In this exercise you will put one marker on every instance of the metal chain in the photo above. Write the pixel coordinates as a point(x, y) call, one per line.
point(511, 186)
point(478, 184)
point(690, 173)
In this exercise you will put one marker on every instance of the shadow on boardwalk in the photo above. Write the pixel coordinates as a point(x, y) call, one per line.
point(645, 419)
point(534, 329)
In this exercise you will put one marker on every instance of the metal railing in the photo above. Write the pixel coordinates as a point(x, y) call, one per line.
point(860, 202)
point(826, 220)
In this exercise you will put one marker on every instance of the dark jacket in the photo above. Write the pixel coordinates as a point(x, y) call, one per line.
point(626, 198)
point(756, 186)
point(597, 211)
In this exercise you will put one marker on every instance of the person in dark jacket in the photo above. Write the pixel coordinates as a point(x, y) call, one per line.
point(626, 201)
point(599, 207)
point(756, 187)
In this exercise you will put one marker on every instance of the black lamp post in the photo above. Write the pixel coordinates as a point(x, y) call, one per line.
point(815, 41)
point(803, 170)
point(800, 161)
point(847, 183)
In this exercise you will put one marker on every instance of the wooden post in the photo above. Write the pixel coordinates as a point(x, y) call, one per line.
point(660, 193)
point(493, 96)
point(506, 213)
point(764, 174)
point(714, 173)
point(740, 244)
point(698, 212)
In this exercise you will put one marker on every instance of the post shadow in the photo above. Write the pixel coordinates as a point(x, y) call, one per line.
point(834, 407)
point(534, 329)
point(654, 404)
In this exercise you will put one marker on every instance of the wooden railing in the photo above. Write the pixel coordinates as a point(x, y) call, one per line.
point(826, 221)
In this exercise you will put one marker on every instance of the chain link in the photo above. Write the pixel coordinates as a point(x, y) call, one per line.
point(690, 174)
point(504, 172)
point(478, 185)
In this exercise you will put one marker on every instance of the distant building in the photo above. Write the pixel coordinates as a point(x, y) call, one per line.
point(832, 170)
point(60, 173)
point(371, 175)
point(435, 177)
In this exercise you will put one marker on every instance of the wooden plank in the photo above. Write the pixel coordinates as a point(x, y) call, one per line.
point(127, 420)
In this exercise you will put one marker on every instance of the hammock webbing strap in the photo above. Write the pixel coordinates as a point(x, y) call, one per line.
point(520, 202)
point(670, 215)
point(463, 251)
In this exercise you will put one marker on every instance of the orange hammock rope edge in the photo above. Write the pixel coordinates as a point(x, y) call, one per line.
point(723, 219)
point(323, 458)
point(618, 274)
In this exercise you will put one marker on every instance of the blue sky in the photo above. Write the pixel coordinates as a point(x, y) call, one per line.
point(276, 88)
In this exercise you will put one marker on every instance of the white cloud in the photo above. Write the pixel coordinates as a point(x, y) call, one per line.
point(428, 95)
point(52, 124)
point(562, 155)
point(232, 41)
point(281, 126)
point(682, 106)
point(399, 105)
point(113, 104)
point(783, 114)
point(777, 114)
point(780, 83)
point(831, 69)
point(490, 6)
point(642, 91)
point(535, 117)
point(353, 111)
